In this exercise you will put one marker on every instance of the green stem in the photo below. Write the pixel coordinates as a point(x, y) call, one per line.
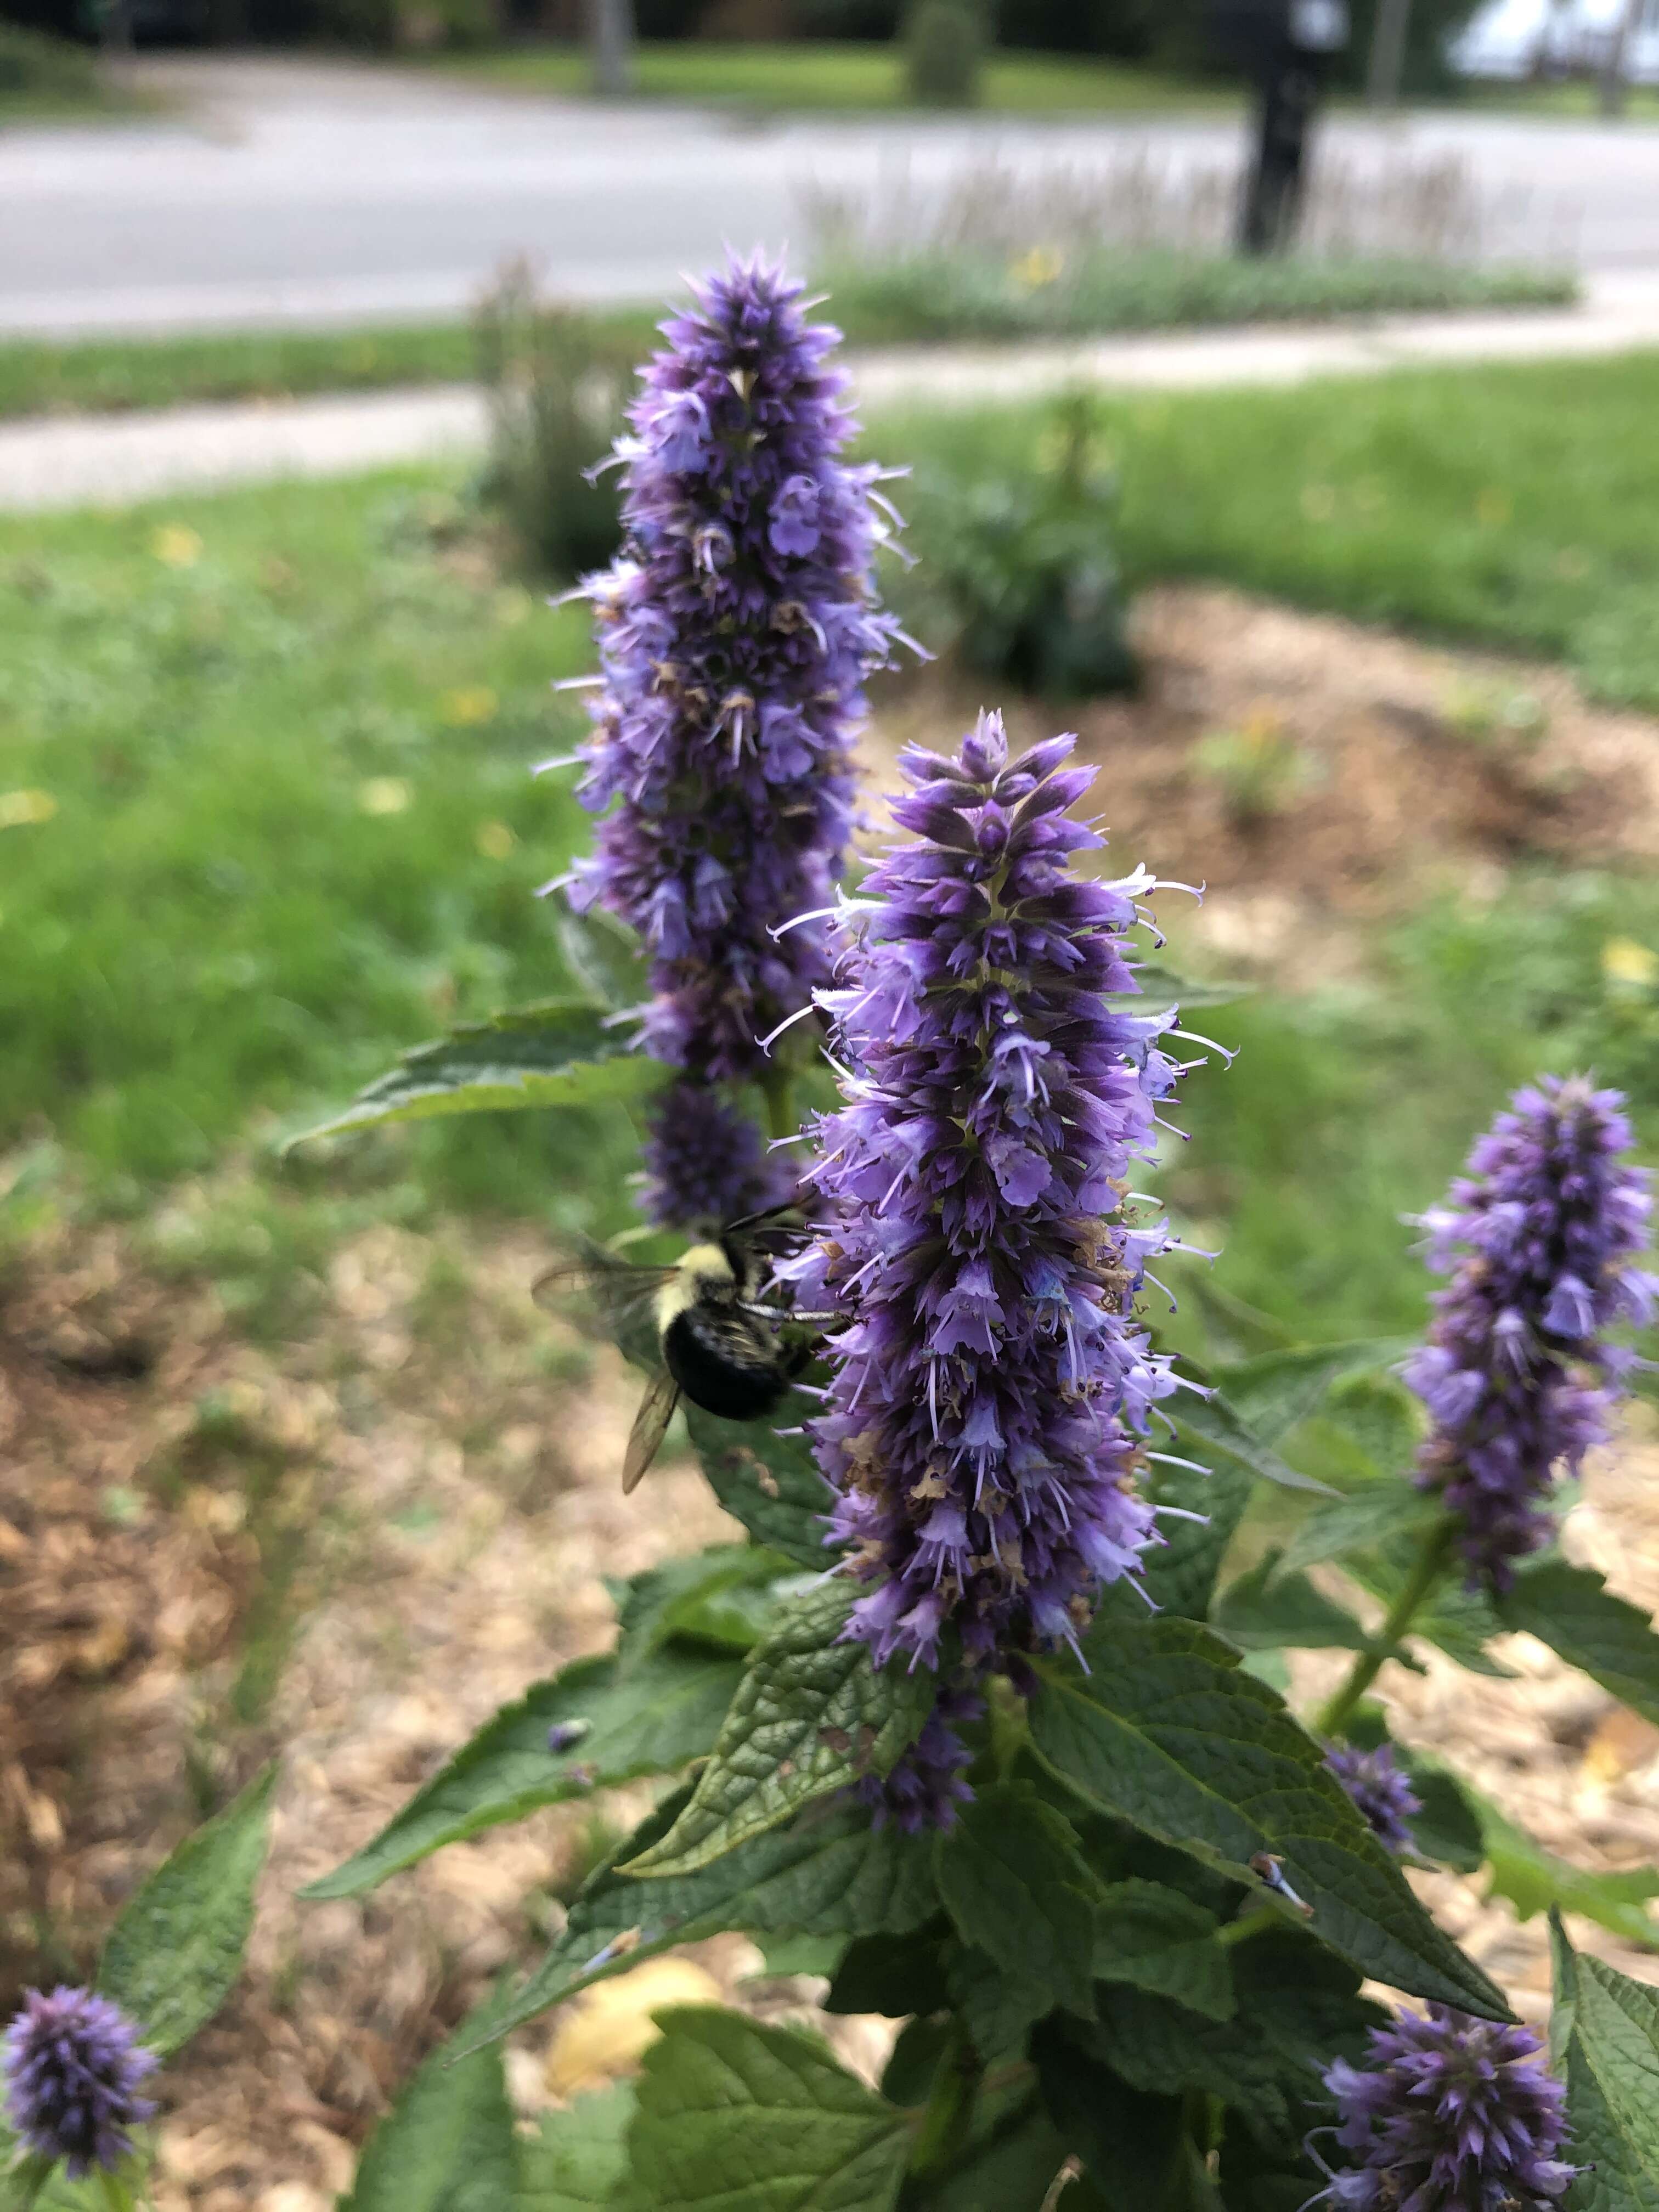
point(1256, 1922)
point(1436, 1544)
point(949, 2111)
point(777, 1089)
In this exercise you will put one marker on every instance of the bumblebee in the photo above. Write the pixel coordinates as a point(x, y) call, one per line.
point(716, 1342)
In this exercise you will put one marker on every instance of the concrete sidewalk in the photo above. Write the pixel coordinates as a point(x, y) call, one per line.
point(113, 461)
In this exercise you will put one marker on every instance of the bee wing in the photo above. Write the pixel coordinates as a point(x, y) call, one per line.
point(614, 1290)
point(650, 1426)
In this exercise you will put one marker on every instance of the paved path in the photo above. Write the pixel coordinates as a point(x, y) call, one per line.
point(291, 191)
point(113, 461)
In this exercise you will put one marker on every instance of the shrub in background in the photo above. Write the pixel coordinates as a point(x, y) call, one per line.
point(945, 42)
point(557, 389)
point(1026, 564)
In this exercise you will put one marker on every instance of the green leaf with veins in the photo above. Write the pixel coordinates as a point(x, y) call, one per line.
point(655, 1719)
point(1604, 2042)
point(733, 2117)
point(1374, 1514)
point(577, 2158)
point(1572, 1610)
point(1275, 1392)
point(175, 1953)
point(447, 2144)
point(810, 1716)
point(1158, 1941)
point(561, 1052)
point(769, 1482)
point(1015, 1884)
point(1212, 1429)
point(1265, 1610)
point(1534, 1881)
point(1167, 1733)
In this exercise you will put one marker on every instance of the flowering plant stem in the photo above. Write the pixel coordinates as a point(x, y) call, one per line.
point(949, 2112)
point(1431, 1560)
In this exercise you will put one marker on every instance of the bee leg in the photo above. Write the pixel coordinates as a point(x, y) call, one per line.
point(786, 1313)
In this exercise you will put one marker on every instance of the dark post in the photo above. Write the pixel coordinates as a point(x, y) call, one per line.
point(1285, 48)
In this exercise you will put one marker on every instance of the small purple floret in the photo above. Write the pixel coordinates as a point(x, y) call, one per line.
point(1452, 2114)
point(706, 1163)
point(1538, 1234)
point(72, 2067)
point(993, 1389)
point(735, 633)
point(1381, 1792)
point(925, 1787)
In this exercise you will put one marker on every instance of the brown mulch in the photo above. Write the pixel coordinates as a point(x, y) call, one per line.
point(430, 1481)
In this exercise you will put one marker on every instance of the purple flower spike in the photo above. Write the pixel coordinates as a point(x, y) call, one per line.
point(925, 1787)
point(984, 1426)
point(735, 633)
point(72, 2064)
point(1380, 1793)
point(1451, 2115)
point(705, 1162)
point(1538, 1235)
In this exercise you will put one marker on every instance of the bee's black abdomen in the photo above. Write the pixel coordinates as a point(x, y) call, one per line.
point(722, 1365)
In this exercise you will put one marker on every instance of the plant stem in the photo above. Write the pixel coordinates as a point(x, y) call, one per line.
point(1256, 1922)
point(949, 2110)
point(777, 1089)
point(1436, 1543)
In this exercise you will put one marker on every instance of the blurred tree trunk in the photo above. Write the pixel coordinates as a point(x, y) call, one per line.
point(611, 34)
point(1612, 89)
point(1388, 56)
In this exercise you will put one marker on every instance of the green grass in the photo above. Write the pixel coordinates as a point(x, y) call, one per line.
point(263, 760)
point(1511, 505)
point(841, 75)
point(926, 302)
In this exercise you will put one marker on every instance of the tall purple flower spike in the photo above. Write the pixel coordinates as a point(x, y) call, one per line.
point(1381, 1792)
point(1538, 1235)
point(735, 633)
point(985, 1425)
point(72, 2066)
point(706, 1163)
point(1451, 2115)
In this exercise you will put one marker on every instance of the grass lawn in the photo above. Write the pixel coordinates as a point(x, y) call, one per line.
point(1512, 505)
point(842, 74)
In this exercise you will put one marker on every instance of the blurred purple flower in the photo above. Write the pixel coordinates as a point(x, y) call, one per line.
point(985, 1425)
point(1539, 1235)
point(925, 1787)
point(1380, 1791)
point(1451, 2115)
point(706, 1163)
point(72, 2065)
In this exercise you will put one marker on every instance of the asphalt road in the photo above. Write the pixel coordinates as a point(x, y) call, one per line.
point(287, 191)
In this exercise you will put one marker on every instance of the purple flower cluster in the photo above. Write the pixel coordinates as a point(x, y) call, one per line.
point(1380, 1791)
point(925, 1787)
point(705, 1161)
point(1451, 2115)
point(735, 633)
point(1539, 1234)
point(73, 2064)
point(992, 1389)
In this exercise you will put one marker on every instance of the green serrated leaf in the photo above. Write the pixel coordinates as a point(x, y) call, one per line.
point(1534, 1881)
point(1379, 1418)
point(1212, 1427)
point(1265, 1609)
point(577, 2158)
point(447, 2145)
point(654, 1720)
point(1447, 1826)
point(1156, 1940)
point(175, 1953)
point(1180, 1573)
point(562, 1053)
point(829, 1873)
point(1012, 1880)
point(1008, 2163)
point(810, 1716)
point(769, 1482)
point(667, 1599)
point(1374, 1514)
point(1604, 2040)
point(733, 2117)
point(998, 2009)
point(1168, 1734)
point(1276, 1391)
point(1572, 1610)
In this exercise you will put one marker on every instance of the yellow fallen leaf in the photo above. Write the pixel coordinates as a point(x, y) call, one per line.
point(18, 808)
point(1626, 961)
point(383, 794)
point(470, 705)
point(609, 2028)
point(176, 544)
point(493, 840)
